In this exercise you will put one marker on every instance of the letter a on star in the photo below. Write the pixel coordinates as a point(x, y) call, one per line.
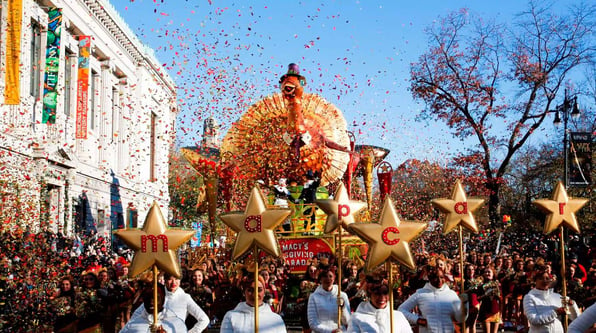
point(255, 226)
point(155, 244)
point(459, 209)
point(560, 210)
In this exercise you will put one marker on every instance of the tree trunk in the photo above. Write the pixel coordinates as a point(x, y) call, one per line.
point(494, 206)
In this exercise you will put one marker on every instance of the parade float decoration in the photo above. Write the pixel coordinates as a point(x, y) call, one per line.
point(341, 211)
point(287, 135)
point(389, 240)
point(459, 212)
point(155, 247)
point(256, 230)
point(290, 135)
point(385, 177)
point(299, 138)
point(560, 212)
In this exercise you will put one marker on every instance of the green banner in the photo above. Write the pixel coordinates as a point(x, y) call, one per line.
point(50, 94)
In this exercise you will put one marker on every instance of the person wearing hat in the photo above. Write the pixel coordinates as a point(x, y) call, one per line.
point(373, 316)
point(281, 193)
point(291, 85)
point(581, 270)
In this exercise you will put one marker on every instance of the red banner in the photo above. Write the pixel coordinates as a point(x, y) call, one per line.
point(83, 87)
point(299, 252)
point(385, 176)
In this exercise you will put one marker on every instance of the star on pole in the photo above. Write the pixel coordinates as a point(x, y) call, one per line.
point(459, 209)
point(256, 225)
point(389, 239)
point(340, 209)
point(155, 244)
point(560, 210)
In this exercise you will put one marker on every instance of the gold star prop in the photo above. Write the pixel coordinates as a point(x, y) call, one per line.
point(340, 209)
point(155, 244)
point(560, 210)
point(389, 239)
point(256, 225)
point(459, 209)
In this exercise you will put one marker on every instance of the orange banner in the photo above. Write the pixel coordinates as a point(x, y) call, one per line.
point(13, 52)
point(82, 87)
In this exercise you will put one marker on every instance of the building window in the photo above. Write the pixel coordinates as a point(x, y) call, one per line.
point(93, 103)
point(68, 82)
point(132, 216)
point(35, 65)
point(115, 113)
point(152, 147)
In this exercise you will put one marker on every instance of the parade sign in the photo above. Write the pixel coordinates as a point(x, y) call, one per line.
point(580, 168)
point(299, 252)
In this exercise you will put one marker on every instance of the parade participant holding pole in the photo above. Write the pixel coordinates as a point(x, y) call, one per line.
point(459, 213)
point(241, 319)
point(155, 247)
point(167, 321)
point(543, 306)
point(255, 227)
point(560, 212)
point(389, 240)
point(373, 316)
point(183, 305)
point(323, 307)
point(439, 306)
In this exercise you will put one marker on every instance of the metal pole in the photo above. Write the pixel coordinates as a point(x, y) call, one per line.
point(155, 273)
point(566, 108)
point(339, 299)
point(461, 269)
point(563, 280)
point(391, 301)
point(256, 277)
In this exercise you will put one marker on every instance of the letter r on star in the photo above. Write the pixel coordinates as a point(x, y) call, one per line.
point(560, 210)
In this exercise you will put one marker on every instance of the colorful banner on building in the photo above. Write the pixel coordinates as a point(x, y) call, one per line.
point(83, 87)
point(50, 94)
point(14, 18)
point(299, 252)
point(580, 159)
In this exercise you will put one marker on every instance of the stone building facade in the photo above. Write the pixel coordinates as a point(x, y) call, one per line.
point(86, 119)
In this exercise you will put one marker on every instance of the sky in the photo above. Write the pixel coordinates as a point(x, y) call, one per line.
point(226, 55)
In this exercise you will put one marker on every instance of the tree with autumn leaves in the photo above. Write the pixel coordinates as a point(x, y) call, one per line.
point(496, 84)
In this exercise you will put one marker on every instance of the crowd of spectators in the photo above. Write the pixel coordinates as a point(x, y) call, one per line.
point(49, 282)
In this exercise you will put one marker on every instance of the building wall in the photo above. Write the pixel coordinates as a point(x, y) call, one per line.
point(45, 172)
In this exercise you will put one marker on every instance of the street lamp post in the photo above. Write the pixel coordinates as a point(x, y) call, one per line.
point(569, 107)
